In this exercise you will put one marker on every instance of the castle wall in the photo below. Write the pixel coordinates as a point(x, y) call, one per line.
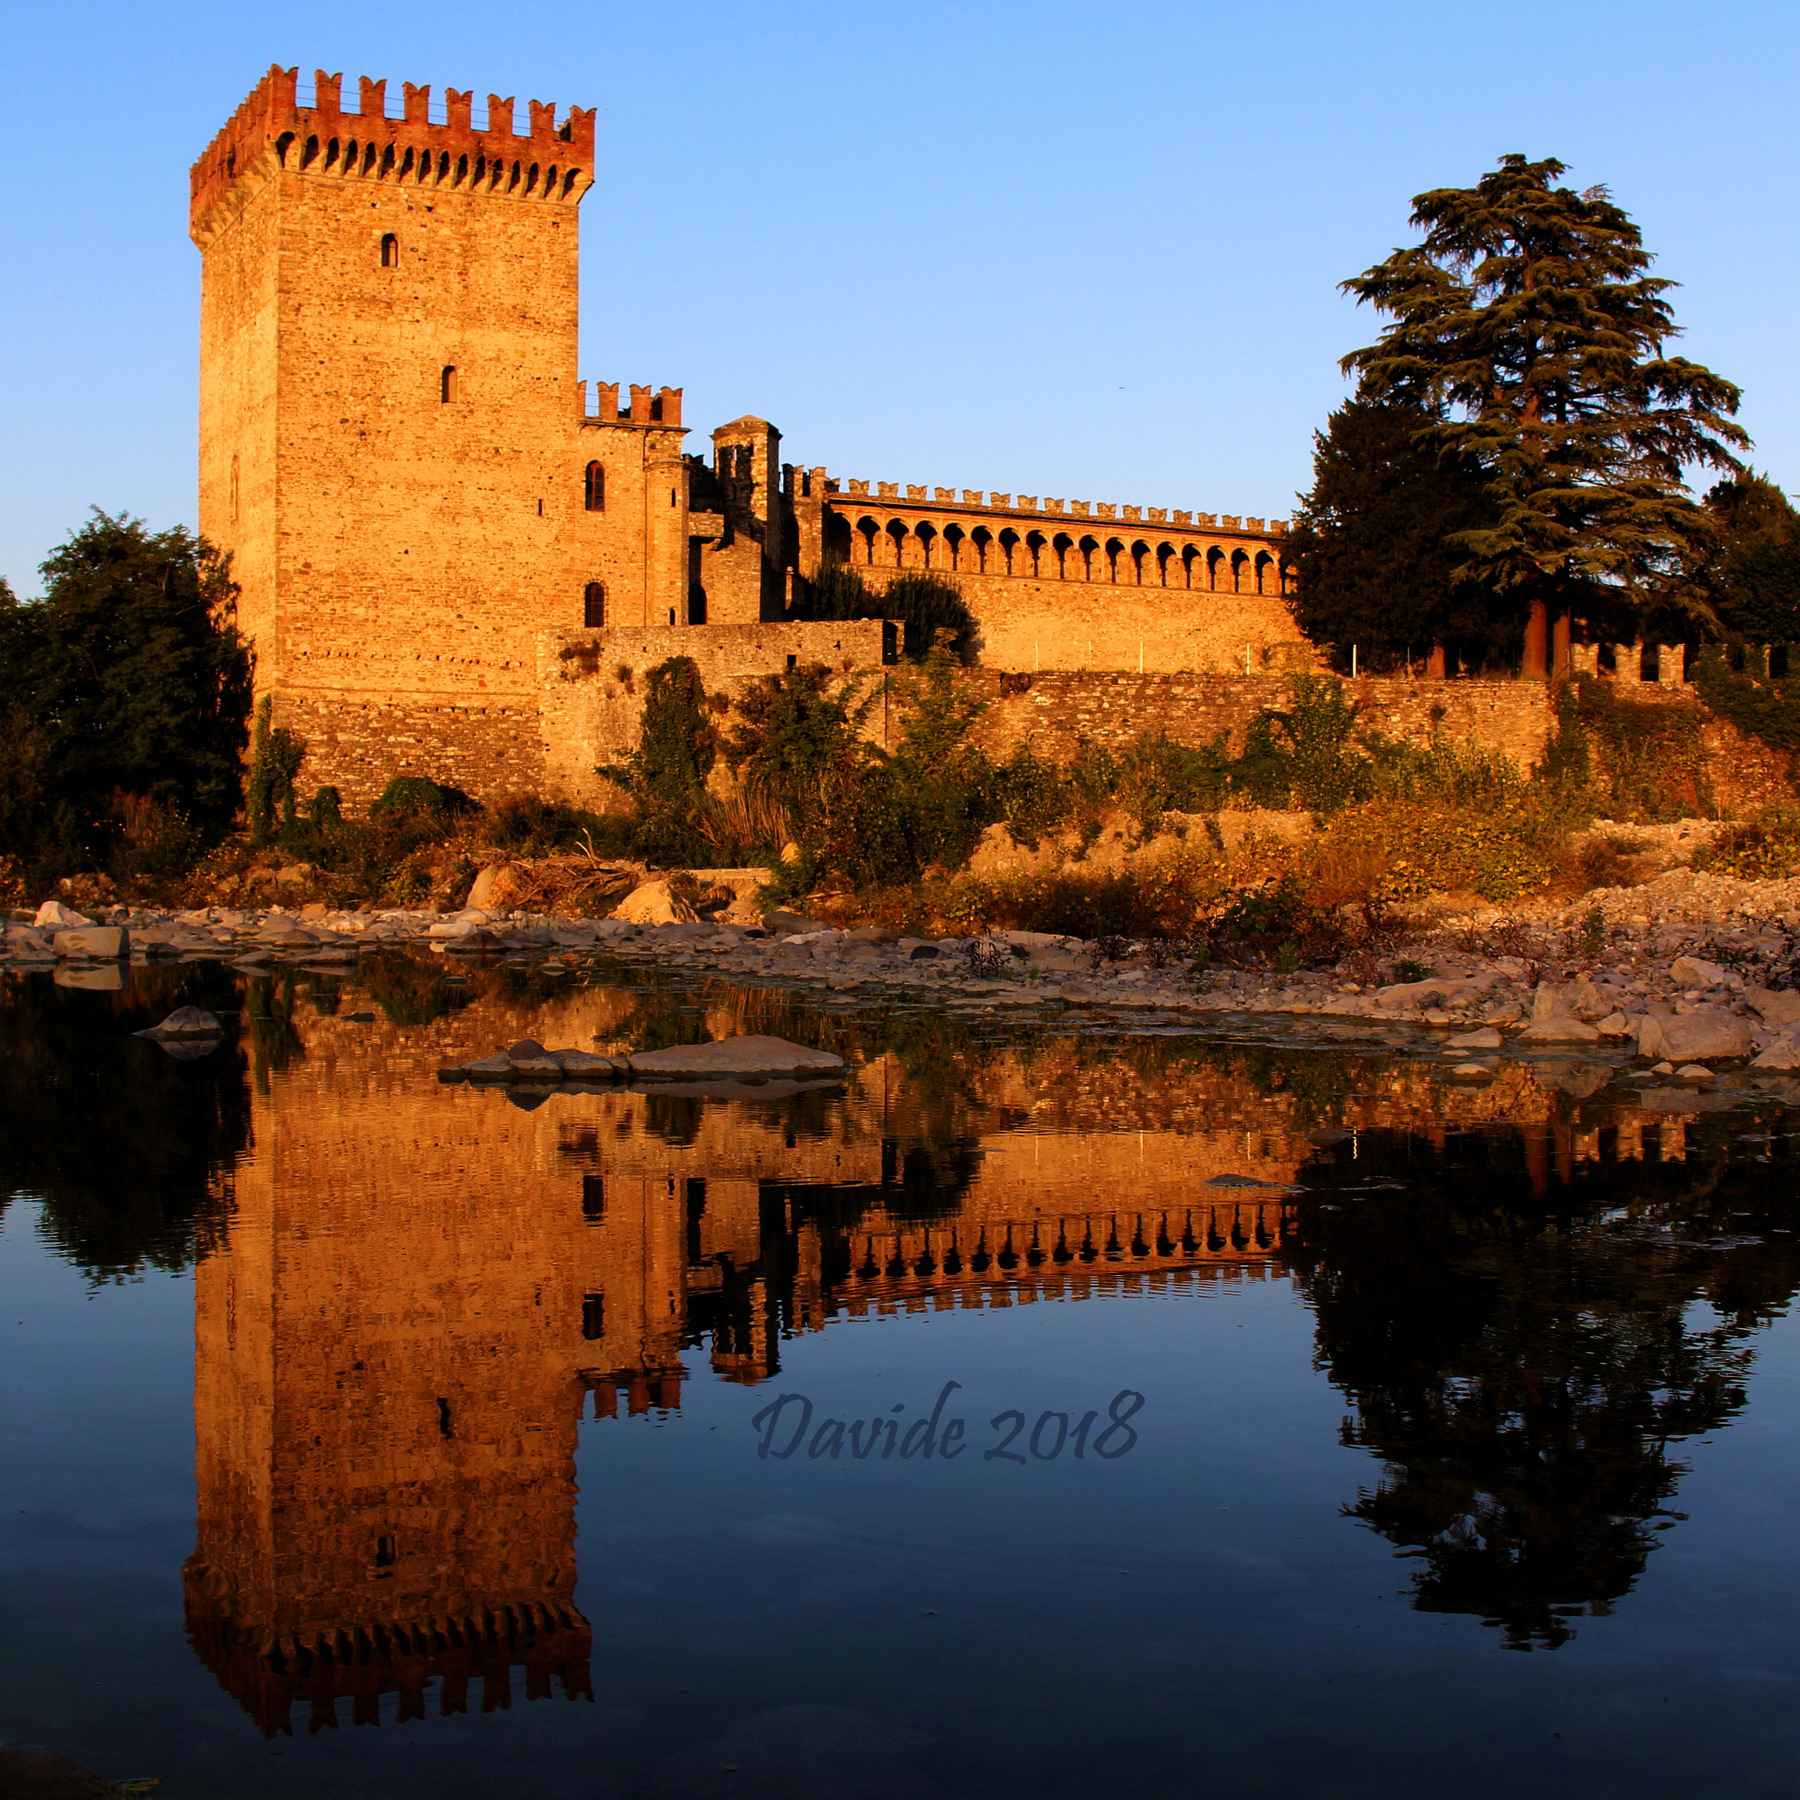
point(1056, 711)
point(1075, 584)
point(590, 701)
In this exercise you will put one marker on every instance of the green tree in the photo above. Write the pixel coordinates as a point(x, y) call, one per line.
point(1370, 543)
point(1754, 578)
point(928, 608)
point(128, 679)
point(1526, 328)
point(800, 735)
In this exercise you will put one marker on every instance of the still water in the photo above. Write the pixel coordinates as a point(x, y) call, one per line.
point(1317, 1424)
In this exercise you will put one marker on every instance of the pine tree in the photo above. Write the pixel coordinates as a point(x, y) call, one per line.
point(1754, 580)
point(1368, 544)
point(1526, 328)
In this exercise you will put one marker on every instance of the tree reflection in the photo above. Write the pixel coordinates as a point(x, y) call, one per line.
point(1523, 1354)
point(130, 1148)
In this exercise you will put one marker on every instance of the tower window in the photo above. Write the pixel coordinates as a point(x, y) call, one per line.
point(447, 384)
point(593, 1316)
point(593, 606)
point(594, 488)
point(390, 251)
point(387, 1552)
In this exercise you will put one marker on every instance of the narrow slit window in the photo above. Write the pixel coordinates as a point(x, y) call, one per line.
point(594, 488)
point(390, 251)
point(593, 606)
point(593, 1316)
point(387, 1552)
point(447, 384)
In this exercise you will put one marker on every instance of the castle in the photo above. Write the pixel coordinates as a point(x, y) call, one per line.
point(440, 533)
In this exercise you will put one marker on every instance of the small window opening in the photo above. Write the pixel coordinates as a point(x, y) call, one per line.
point(593, 1199)
point(672, 500)
point(671, 615)
point(593, 606)
point(594, 488)
point(540, 509)
point(387, 1553)
point(1778, 662)
point(390, 251)
point(593, 1316)
point(445, 1428)
point(793, 662)
point(447, 384)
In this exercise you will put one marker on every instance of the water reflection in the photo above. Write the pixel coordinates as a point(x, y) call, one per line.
point(408, 1297)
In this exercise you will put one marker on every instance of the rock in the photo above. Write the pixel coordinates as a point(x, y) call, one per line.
point(1782, 1053)
point(1559, 1028)
point(1697, 972)
point(1472, 1071)
point(1485, 1039)
point(500, 887)
point(93, 943)
point(1435, 990)
point(1707, 1034)
point(735, 1058)
point(584, 1065)
point(298, 874)
point(530, 1061)
point(1779, 1007)
point(484, 1068)
point(1617, 1025)
point(654, 903)
point(186, 1022)
point(55, 915)
point(97, 978)
point(1693, 1072)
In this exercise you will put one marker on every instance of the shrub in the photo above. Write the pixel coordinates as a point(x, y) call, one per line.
point(664, 778)
point(153, 841)
point(275, 758)
point(418, 800)
point(1763, 848)
point(929, 609)
point(1421, 849)
point(528, 825)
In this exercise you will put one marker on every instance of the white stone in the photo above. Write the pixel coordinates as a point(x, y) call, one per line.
point(54, 914)
point(1706, 1034)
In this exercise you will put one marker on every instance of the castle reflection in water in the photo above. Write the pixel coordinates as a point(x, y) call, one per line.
point(421, 1291)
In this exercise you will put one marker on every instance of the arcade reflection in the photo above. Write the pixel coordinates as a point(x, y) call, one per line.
point(409, 1297)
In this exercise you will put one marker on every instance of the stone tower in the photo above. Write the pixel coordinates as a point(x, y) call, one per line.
point(390, 421)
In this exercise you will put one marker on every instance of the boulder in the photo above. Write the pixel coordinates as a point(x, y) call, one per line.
point(1782, 1053)
point(55, 915)
point(1559, 1028)
point(93, 943)
point(654, 903)
point(500, 887)
point(735, 1059)
point(1485, 1039)
point(584, 1065)
point(1779, 1007)
point(1435, 990)
point(1707, 1034)
point(1697, 972)
point(186, 1022)
point(530, 1061)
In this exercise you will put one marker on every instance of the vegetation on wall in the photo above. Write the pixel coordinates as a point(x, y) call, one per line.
point(1756, 704)
point(928, 608)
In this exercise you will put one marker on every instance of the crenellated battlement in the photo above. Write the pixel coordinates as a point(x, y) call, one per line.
point(843, 492)
point(423, 147)
point(646, 407)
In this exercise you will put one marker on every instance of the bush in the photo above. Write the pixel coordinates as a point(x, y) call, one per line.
point(1422, 849)
point(1757, 706)
point(528, 825)
point(418, 800)
point(664, 778)
point(929, 609)
point(1764, 848)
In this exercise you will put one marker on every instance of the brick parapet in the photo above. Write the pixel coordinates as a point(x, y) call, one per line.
point(548, 163)
point(847, 494)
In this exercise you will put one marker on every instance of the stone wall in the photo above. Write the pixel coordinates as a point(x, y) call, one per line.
point(357, 743)
point(1055, 710)
point(591, 688)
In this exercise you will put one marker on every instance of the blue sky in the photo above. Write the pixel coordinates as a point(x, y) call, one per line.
point(1076, 250)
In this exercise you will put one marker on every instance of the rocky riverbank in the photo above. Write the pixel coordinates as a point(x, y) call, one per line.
point(1685, 980)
